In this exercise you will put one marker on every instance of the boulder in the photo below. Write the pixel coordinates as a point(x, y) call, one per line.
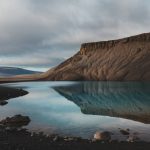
point(15, 121)
point(102, 136)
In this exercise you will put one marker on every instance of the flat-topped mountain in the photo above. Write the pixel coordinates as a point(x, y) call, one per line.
point(126, 59)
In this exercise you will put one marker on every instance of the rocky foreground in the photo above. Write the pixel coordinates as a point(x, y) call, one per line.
point(14, 137)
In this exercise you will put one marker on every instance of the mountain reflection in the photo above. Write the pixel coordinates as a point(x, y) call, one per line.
point(130, 100)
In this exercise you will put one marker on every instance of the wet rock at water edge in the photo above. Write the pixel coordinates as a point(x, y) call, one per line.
point(57, 138)
point(102, 136)
point(69, 139)
point(124, 132)
point(2, 103)
point(15, 121)
point(133, 138)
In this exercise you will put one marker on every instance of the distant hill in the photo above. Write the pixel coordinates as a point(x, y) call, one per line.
point(12, 71)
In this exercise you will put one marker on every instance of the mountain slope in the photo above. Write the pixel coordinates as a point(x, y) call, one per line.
point(125, 59)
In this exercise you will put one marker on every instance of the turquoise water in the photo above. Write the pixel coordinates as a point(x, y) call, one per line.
point(82, 108)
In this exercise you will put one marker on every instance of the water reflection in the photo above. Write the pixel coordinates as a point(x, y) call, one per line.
point(52, 113)
point(130, 100)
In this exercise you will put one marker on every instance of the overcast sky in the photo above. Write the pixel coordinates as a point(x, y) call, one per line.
point(40, 34)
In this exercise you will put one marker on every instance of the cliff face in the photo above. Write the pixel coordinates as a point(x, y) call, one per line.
point(125, 59)
point(110, 44)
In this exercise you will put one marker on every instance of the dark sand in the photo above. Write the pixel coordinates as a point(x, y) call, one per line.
point(21, 139)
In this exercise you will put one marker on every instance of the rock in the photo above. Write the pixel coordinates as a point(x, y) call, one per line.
point(133, 138)
point(124, 132)
point(55, 139)
point(75, 139)
point(102, 136)
point(2, 103)
point(15, 121)
point(68, 139)
point(7, 93)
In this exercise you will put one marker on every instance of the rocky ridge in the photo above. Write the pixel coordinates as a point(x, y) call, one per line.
point(126, 59)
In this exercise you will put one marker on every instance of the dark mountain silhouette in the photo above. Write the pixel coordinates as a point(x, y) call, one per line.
point(11, 71)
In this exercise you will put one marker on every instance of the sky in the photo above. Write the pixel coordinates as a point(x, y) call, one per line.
point(40, 34)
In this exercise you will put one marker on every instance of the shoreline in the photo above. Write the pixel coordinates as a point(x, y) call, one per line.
point(21, 139)
point(13, 136)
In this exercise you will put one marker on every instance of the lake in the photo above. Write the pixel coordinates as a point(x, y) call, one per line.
point(82, 108)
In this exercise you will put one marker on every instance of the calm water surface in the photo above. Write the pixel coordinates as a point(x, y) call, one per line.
point(82, 108)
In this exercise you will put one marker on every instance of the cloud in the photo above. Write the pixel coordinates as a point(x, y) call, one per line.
point(38, 29)
point(30, 61)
